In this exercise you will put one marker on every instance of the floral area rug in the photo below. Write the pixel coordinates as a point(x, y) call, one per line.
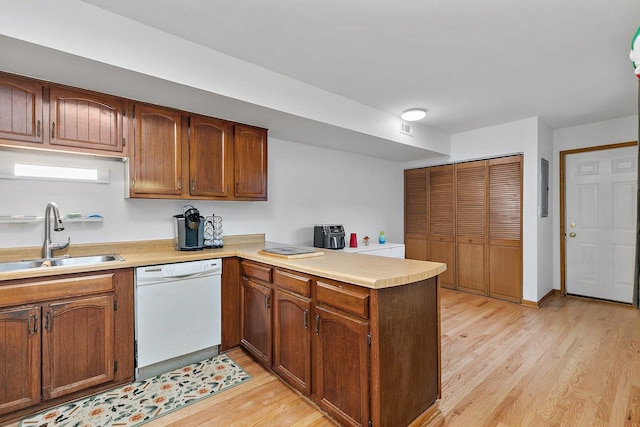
point(143, 401)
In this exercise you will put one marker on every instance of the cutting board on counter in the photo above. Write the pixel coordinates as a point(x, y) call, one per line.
point(291, 252)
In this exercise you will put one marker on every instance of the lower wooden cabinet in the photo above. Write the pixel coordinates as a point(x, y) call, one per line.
point(256, 323)
point(77, 344)
point(364, 356)
point(292, 340)
point(64, 337)
point(20, 345)
point(341, 362)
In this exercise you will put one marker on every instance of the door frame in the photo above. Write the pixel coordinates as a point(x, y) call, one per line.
point(563, 155)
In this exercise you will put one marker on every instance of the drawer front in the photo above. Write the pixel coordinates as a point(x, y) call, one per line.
point(292, 282)
point(349, 299)
point(32, 291)
point(257, 271)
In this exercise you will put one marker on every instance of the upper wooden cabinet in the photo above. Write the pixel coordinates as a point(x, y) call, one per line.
point(184, 156)
point(21, 114)
point(250, 163)
point(85, 120)
point(157, 158)
point(210, 157)
point(174, 154)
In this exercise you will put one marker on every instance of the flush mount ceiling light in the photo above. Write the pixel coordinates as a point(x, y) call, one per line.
point(413, 114)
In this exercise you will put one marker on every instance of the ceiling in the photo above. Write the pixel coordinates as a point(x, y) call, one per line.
point(470, 64)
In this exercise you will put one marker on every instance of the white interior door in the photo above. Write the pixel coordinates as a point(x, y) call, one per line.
point(600, 203)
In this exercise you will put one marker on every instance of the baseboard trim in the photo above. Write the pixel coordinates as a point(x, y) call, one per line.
point(538, 304)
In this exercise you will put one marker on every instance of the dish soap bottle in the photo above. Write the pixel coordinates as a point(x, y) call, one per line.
point(382, 239)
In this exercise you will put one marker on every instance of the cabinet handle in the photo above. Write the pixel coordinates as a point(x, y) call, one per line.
point(306, 319)
point(267, 301)
point(48, 321)
point(53, 130)
point(33, 324)
point(193, 185)
point(38, 129)
point(317, 325)
point(237, 188)
point(179, 183)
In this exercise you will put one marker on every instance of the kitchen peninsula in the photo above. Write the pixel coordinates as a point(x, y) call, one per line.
point(369, 326)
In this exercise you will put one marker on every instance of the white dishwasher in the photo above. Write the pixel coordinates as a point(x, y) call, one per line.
point(177, 315)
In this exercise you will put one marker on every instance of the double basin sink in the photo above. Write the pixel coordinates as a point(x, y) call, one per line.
point(58, 262)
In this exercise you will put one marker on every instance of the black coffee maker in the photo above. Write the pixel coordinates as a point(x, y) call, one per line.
point(189, 230)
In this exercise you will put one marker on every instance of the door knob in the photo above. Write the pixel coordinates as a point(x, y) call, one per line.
point(572, 235)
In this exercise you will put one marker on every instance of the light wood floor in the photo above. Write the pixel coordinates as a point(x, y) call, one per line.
point(573, 362)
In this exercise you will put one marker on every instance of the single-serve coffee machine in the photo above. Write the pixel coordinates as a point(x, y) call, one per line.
point(189, 230)
point(328, 236)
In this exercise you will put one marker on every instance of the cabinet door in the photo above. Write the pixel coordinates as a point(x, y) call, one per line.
point(341, 354)
point(157, 160)
point(416, 198)
point(505, 228)
point(256, 320)
point(21, 110)
point(250, 156)
point(19, 358)
point(85, 120)
point(77, 345)
point(471, 226)
point(442, 221)
point(292, 340)
point(210, 157)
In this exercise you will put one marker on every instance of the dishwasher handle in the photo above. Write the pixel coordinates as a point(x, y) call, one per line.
point(178, 271)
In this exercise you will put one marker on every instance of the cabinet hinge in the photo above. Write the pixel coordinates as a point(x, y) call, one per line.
point(115, 366)
point(124, 141)
point(369, 340)
point(115, 305)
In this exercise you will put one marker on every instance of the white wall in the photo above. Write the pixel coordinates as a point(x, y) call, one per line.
point(510, 138)
point(601, 133)
point(307, 186)
point(545, 224)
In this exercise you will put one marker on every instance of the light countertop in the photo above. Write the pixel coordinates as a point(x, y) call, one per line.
point(354, 268)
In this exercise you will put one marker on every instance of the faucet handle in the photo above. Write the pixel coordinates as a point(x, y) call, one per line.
point(61, 245)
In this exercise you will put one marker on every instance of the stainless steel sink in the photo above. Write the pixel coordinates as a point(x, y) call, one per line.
point(57, 262)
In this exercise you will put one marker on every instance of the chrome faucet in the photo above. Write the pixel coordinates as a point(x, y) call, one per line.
point(48, 246)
